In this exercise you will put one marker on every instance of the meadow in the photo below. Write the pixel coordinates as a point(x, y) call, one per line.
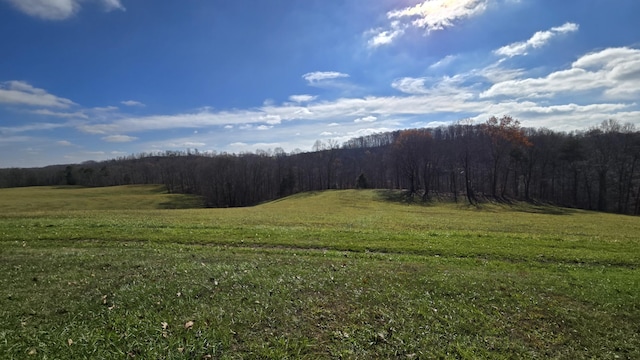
point(134, 272)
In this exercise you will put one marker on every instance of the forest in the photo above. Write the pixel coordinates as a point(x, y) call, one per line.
point(498, 160)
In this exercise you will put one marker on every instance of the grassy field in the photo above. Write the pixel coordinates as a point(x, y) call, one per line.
point(133, 272)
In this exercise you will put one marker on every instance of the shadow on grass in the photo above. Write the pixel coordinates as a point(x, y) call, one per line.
point(402, 197)
point(533, 208)
point(182, 202)
point(300, 195)
point(485, 204)
point(67, 187)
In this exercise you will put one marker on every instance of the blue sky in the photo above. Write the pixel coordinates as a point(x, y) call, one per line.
point(99, 79)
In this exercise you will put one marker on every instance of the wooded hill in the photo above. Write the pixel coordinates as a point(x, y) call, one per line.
point(597, 169)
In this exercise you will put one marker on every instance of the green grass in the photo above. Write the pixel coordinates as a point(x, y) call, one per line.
point(336, 274)
point(69, 198)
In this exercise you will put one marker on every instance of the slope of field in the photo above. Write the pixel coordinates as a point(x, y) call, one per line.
point(64, 198)
point(338, 274)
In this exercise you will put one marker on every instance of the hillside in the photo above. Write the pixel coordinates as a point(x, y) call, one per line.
point(320, 275)
point(357, 220)
point(65, 198)
point(493, 161)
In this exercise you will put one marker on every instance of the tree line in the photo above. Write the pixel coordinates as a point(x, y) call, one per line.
point(498, 160)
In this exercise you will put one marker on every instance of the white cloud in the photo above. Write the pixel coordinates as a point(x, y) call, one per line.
point(429, 15)
point(332, 111)
point(477, 94)
point(538, 40)
point(439, 14)
point(562, 117)
point(317, 76)
point(65, 115)
point(113, 5)
point(613, 73)
point(271, 119)
point(119, 138)
point(302, 98)
point(64, 143)
point(366, 119)
point(445, 85)
point(182, 143)
point(163, 122)
point(239, 146)
point(495, 73)
point(47, 9)
point(132, 103)
point(382, 36)
point(409, 85)
point(22, 93)
point(104, 108)
point(13, 140)
point(29, 128)
point(565, 28)
point(610, 58)
point(58, 9)
point(443, 62)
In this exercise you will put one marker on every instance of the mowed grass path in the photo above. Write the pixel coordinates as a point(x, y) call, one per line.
point(113, 273)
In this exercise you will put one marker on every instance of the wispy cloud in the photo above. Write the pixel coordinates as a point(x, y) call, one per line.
point(318, 76)
point(104, 109)
point(410, 85)
point(47, 9)
point(443, 86)
point(496, 73)
point(302, 98)
point(613, 73)
point(271, 119)
point(606, 78)
point(30, 128)
point(429, 15)
point(58, 9)
point(443, 62)
point(113, 5)
point(199, 119)
point(610, 77)
point(382, 36)
point(132, 103)
point(119, 138)
point(184, 143)
point(538, 40)
point(64, 115)
point(439, 14)
point(366, 119)
point(22, 93)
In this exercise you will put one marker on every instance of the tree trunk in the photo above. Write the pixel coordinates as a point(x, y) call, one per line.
point(602, 190)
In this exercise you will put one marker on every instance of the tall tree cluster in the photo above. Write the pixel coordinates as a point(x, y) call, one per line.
point(498, 160)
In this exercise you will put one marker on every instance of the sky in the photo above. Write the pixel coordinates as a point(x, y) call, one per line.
point(91, 80)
